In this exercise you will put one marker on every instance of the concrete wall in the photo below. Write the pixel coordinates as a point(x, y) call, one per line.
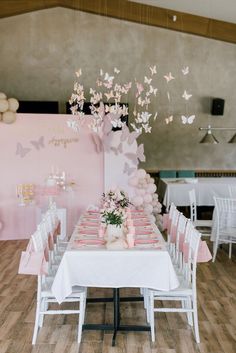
point(40, 52)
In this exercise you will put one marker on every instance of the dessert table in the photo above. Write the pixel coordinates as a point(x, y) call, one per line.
point(87, 262)
point(176, 190)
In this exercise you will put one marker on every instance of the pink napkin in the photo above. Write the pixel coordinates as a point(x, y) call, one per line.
point(146, 241)
point(89, 224)
point(89, 241)
point(204, 254)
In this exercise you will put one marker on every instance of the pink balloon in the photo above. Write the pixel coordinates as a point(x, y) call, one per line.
point(148, 208)
point(140, 192)
point(137, 201)
point(147, 198)
point(133, 181)
point(151, 188)
point(141, 173)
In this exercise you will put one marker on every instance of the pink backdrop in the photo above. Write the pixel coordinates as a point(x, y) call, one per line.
point(79, 160)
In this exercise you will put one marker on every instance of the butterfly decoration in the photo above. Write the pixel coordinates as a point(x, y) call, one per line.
point(137, 129)
point(186, 95)
point(78, 73)
point(169, 119)
point(153, 70)
point(147, 80)
point(128, 170)
point(169, 77)
point(38, 144)
point(145, 101)
point(109, 95)
point(73, 124)
point(22, 151)
point(133, 137)
point(155, 116)
point(187, 119)
point(185, 70)
point(117, 71)
point(147, 128)
point(124, 134)
point(153, 90)
point(139, 155)
point(117, 150)
point(97, 142)
point(140, 89)
point(99, 83)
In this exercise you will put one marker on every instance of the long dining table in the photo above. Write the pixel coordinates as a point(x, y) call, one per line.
point(88, 262)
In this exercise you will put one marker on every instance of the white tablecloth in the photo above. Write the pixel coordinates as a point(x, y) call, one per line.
point(99, 267)
point(176, 190)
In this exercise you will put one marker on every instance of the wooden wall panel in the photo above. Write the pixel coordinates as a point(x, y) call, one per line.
point(131, 11)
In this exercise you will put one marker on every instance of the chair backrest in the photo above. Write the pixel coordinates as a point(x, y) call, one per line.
point(232, 191)
point(225, 215)
point(167, 174)
point(185, 174)
point(191, 247)
point(193, 205)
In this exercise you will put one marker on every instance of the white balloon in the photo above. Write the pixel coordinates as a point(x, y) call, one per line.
point(3, 105)
point(3, 95)
point(141, 173)
point(152, 218)
point(13, 104)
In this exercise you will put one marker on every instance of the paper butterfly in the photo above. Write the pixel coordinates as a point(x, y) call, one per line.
point(109, 95)
point(132, 137)
point(153, 90)
point(147, 128)
point(128, 170)
point(99, 83)
point(125, 133)
point(116, 70)
point(22, 151)
point(97, 142)
point(187, 119)
point(38, 144)
point(118, 149)
point(169, 120)
point(147, 80)
point(155, 116)
point(153, 69)
point(73, 124)
point(185, 70)
point(139, 88)
point(186, 95)
point(139, 155)
point(139, 130)
point(169, 77)
point(108, 78)
point(78, 73)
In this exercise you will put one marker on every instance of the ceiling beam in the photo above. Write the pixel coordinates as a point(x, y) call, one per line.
point(131, 11)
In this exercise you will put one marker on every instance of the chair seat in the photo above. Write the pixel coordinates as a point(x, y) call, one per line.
point(47, 293)
point(184, 289)
point(203, 223)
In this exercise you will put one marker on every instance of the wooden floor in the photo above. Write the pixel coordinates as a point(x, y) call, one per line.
point(217, 315)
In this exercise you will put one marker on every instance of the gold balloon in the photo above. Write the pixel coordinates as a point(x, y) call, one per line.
point(13, 104)
point(3, 105)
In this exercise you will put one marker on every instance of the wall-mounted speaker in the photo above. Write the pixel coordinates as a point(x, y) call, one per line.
point(217, 106)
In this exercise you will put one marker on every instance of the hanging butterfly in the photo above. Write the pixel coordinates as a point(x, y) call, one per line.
point(140, 89)
point(185, 70)
point(147, 128)
point(78, 73)
point(109, 95)
point(153, 70)
point(139, 155)
point(155, 116)
point(139, 130)
point(38, 144)
point(125, 133)
point(133, 137)
point(73, 124)
point(117, 150)
point(187, 119)
point(169, 77)
point(97, 142)
point(108, 78)
point(153, 90)
point(186, 95)
point(169, 119)
point(128, 170)
point(117, 71)
point(147, 80)
point(22, 151)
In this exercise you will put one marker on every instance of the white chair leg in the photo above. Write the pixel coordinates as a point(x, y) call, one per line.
point(230, 250)
point(189, 313)
point(215, 248)
point(151, 316)
point(195, 318)
point(43, 308)
point(81, 318)
point(36, 324)
point(147, 307)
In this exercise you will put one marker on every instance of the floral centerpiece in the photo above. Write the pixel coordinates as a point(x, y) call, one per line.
point(114, 203)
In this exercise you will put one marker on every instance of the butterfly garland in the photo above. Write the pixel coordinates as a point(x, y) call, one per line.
point(22, 151)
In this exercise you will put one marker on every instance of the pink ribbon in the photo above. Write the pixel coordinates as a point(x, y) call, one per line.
point(165, 221)
point(173, 233)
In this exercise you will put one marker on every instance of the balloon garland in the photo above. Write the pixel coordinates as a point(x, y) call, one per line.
point(8, 108)
point(145, 197)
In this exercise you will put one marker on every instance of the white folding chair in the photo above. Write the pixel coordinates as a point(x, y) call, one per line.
point(45, 296)
point(186, 292)
point(204, 226)
point(225, 228)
